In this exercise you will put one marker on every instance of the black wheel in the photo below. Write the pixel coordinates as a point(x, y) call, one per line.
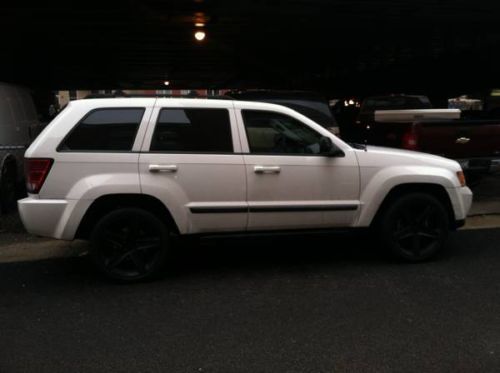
point(129, 245)
point(7, 190)
point(414, 227)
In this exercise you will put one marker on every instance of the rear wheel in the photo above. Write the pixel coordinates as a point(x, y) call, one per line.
point(130, 244)
point(414, 227)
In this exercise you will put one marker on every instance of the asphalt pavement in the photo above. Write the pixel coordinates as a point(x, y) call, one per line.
point(330, 303)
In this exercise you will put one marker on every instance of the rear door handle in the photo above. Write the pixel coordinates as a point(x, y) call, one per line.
point(162, 168)
point(267, 169)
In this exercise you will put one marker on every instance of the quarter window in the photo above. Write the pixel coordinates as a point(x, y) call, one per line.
point(275, 133)
point(105, 130)
point(193, 130)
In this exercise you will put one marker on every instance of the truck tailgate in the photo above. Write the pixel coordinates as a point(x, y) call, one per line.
point(459, 139)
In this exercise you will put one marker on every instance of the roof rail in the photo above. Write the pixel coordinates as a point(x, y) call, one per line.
point(126, 95)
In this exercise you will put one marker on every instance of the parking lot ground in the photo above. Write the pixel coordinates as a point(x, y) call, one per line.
point(328, 303)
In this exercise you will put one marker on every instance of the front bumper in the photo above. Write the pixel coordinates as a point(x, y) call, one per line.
point(461, 201)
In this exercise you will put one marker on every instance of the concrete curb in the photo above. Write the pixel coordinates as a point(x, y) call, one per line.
point(40, 249)
point(25, 250)
point(482, 222)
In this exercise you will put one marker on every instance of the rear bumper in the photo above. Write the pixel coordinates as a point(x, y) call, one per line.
point(56, 218)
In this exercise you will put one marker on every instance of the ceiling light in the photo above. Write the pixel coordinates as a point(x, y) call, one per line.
point(199, 24)
point(166, 82)
point(199, 35)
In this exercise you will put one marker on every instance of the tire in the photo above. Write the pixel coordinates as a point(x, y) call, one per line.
point(130, 245)
point(414, 227)
point(8, 191)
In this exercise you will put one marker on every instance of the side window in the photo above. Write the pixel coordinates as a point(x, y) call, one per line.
point(274, 133)
point(105, 130)
point(193, 130)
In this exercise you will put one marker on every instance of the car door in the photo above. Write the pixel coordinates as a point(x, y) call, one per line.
point(290, 184)
point(191, 160)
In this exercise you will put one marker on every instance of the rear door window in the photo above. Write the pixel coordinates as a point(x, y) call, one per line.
point(193, 131)
point(105, 130)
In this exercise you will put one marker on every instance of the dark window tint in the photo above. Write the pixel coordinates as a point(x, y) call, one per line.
point(275, 133)
point(104, 130)
point(193, 130)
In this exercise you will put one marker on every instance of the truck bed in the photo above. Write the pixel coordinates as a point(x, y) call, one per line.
point(473, 142)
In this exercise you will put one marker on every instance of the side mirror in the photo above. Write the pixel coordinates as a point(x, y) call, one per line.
point(328, 148)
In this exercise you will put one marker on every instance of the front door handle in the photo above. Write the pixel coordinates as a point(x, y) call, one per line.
point(162, 168)
point(267, 169)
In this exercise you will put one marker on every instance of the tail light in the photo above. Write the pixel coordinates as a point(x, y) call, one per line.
point(36, 171)
point(410, 140)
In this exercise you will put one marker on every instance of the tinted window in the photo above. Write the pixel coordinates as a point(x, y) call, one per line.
point(193, 130)
point(274, 133)
point(105, 129)
point(396, 103)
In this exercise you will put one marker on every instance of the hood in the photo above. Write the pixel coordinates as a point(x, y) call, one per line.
point(376, 156)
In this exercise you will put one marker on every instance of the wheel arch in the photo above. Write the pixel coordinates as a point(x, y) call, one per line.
point(105, 204)
point(436, 190)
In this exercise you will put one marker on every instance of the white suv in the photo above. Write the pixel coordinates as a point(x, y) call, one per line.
point(129, 173)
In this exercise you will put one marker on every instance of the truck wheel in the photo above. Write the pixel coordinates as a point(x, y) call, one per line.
point(129, 245)
point(7, 190)
point(414, 227)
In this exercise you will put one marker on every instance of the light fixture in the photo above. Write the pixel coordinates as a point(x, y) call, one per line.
point(166, 82)
point(199, 24)
point(199, 35)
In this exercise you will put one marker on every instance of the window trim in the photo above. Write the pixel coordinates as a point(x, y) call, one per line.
point(276, 154)
point(70, 132)
point(155, 124)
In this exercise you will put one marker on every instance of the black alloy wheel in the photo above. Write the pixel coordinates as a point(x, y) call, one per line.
point(130, 244)
point(415, 226)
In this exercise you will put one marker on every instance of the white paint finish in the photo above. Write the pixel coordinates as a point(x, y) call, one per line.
point(461, 200)
point(225, 180)
point(213, 179)
point(52, 135)
point(200, 178)
point(312, 179)
point(91, 175)
point(304, 180)
point(42, 217)
point(382, 169)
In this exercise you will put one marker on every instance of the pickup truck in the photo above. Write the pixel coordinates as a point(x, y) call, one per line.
point(474, 143)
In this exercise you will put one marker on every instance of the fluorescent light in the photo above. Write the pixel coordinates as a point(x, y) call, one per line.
point(199, 35)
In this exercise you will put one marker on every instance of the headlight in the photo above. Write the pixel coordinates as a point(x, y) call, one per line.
point(461, 178)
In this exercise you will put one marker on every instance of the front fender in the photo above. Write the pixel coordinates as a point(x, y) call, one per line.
point(376, 185)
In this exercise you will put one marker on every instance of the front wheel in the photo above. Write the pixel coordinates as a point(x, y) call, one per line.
point(130, 244)
point(414, 227)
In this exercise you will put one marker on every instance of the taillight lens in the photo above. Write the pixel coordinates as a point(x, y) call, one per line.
point(36, 170)
point(410, 140)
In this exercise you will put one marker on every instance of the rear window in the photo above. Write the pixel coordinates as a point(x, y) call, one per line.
point(193, 131)
point(105, 130)
point(396, 103)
